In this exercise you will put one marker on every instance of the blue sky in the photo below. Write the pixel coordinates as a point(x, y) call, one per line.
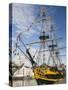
point(23, 15)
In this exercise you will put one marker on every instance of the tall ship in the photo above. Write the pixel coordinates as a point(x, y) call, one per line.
point(45, 61)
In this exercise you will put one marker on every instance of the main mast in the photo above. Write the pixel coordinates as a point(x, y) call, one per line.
point(43, 37)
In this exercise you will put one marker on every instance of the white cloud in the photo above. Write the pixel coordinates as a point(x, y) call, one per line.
point(22, 15)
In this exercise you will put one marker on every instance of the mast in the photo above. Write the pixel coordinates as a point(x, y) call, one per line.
point(43, 37)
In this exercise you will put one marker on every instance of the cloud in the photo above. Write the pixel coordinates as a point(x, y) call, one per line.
point(22, 15)
point(19, 59)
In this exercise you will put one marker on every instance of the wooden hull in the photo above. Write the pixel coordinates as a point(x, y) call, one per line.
point(42, 82)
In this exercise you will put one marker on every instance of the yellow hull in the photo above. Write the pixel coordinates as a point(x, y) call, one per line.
point(47, 75)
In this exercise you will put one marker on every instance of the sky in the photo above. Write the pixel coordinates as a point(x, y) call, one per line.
point(23, 15)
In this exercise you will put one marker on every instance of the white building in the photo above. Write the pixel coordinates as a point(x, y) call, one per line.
point(23, 71)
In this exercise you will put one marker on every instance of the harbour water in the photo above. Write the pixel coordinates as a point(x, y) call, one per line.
point(31, 82)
